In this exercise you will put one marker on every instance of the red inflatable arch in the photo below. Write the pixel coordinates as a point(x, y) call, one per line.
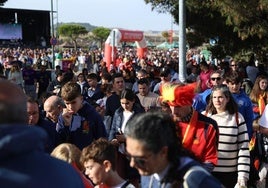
point(118, 35)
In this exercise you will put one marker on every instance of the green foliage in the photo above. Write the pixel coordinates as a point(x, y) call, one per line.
point(241, 25)
point(100, 34)
point(2, 2)
point(165, 35)
point(88, 26)
point(72, 31)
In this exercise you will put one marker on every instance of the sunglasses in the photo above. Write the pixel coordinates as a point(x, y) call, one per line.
point(217, 78)
point(139, 161)
point(234, 65)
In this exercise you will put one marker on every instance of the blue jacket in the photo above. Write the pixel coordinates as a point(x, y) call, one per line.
point(86, 126)
point(50, 128)
point(24, 164)
point(245, 108)
point(200, 100)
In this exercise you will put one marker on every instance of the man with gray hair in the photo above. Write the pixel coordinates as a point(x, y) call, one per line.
point(22, 158)
point(53, 106)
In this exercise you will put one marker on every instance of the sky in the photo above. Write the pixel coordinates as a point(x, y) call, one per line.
point(124, 14)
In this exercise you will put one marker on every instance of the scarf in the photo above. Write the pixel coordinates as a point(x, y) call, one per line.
point(261, 103)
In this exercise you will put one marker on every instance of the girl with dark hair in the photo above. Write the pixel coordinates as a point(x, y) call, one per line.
point(123, 114)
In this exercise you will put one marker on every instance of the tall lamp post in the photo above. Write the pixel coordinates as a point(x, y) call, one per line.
point(52, 40)
point(182, 41)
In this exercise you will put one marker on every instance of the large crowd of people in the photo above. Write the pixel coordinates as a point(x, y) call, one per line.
point(134, 123)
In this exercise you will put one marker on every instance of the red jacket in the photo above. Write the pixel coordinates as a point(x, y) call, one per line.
point(200, 137)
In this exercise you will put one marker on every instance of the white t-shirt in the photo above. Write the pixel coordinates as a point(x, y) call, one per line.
point(263, 121)
point(126, 117)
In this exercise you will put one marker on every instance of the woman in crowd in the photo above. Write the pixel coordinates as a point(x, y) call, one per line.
point(15, 75)
point(122, 115)
point(233, 149)
point(259, 95)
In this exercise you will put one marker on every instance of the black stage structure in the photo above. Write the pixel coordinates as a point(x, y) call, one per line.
point(29, 28)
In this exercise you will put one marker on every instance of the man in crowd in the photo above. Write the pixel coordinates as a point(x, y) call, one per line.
point(113, 101)
point(200, 100)
point(140, 74)
point(23, 160)
point(160, 161)
point(36, 119)
point(53, 106)
point(147, 98)
point(199, 133)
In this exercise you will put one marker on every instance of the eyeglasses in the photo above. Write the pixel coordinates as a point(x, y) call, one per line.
point(217, 78)
point(138, 160)
point(234, 65)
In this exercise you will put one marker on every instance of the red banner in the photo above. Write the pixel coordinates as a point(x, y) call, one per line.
point(131, 36)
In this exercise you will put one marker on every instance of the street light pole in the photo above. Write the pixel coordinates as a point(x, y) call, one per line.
point(57, 8)
point(52, 34)
point(182, 41)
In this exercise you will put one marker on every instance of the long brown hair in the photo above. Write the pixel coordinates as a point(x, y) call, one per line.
point(231, 105)
point(256, 90)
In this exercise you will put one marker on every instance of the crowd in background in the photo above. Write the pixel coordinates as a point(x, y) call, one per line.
point(86, 100)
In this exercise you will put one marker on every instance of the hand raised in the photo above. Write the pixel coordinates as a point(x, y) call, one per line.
point(67, 117)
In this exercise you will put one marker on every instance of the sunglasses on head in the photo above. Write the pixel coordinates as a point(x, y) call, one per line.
point(217, 78)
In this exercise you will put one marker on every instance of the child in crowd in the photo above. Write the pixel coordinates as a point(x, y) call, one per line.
point(99, 160)
point(79, 123)
point(234, 82)
point(71, 154)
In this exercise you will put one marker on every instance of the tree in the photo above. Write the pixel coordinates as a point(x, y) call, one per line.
point(165, 35)
point(240, 25)
point(2, 2)
point(72, 31)
point(100, 34)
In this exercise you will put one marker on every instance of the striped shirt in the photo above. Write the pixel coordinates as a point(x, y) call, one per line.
point(233, 148)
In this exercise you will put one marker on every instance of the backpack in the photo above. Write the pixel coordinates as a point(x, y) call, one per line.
point(262, 146)
point(193, 175)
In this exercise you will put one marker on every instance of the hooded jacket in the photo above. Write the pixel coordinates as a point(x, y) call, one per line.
point(23, 162)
